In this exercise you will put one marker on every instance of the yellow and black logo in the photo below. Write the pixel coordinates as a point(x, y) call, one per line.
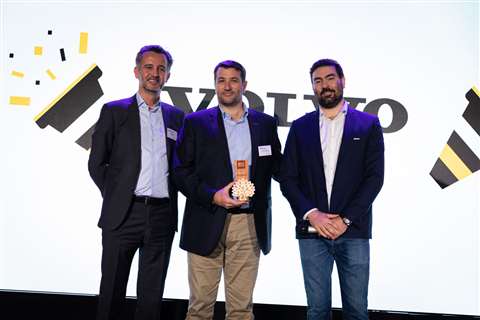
point(457, 160)
point(77, 98)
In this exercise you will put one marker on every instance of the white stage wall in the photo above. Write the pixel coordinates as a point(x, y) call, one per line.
point(423, 55)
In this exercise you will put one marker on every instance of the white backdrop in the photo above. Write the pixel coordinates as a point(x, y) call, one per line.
point(425, 247)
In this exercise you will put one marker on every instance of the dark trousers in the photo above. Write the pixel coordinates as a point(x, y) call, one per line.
point(150, 229)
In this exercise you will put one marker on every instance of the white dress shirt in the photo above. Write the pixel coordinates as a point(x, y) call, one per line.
point(331, 132)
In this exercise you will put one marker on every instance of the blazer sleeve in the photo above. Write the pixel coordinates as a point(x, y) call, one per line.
point(290, 177)
point(102, 141)
point(373, 175)
point(185, 171)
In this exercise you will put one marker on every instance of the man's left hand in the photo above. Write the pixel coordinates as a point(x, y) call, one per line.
point(340, 226)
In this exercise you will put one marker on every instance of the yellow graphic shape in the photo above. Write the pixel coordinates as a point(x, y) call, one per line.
point(454, 163)
point(73, 84)
point(17, 74)
point(83, 42)
point(20, 101)
point(477, 92)
point(38, 51)
point(51, 74)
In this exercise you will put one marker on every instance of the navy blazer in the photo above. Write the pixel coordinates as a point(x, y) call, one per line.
point(203, 166)
point(115, 157)
point(358, 175)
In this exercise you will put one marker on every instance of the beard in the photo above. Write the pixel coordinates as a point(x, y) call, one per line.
point(329, 102)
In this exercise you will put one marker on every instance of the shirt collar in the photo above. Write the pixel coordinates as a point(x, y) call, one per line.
point(143, 105)
point(344, 110)
point(226, 116)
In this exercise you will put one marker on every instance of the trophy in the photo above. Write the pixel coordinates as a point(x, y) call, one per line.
point(242, 188)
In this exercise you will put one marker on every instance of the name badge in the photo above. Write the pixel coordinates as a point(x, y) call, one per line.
point(172, 134)
point(264, 151)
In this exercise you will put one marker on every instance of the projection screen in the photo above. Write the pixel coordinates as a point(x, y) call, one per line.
point(415, 64)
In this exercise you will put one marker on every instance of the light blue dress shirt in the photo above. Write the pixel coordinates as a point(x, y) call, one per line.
point(153, 178)
point(238, 138)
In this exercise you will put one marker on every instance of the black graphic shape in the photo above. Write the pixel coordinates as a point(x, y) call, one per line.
point(62, 54)
point(472, 113)
point(74, 102)
point(85, 140)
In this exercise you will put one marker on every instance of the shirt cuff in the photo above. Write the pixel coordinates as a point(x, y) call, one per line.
point(305, 216)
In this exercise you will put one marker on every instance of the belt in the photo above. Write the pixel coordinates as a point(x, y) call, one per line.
point(151, 201)
point(240, 210)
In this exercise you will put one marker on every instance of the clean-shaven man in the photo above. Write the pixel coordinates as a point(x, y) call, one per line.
point(220, 233)
point(131, 161)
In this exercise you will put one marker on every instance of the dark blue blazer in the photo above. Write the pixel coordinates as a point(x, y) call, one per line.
point(115, 157)
point(358, 176)
point(203, 166)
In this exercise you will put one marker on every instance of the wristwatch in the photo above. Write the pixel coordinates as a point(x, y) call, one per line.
point(347, 221)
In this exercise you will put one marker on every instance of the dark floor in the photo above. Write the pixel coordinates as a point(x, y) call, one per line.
point(36, 305)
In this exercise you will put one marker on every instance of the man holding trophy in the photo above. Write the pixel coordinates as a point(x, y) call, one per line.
point(226, 157)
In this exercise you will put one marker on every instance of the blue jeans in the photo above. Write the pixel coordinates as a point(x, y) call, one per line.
point(352, 257)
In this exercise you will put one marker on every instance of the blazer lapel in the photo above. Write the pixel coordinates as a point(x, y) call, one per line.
point(342, 160)
point(255, 133)
point(314, 132)
point(133, 123)
point(169, 143)
point(218, 131)
point(347, 137)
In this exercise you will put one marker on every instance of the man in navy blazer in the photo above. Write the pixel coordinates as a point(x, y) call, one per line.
point(332, 170)
point(219, 232)
point(130, 162)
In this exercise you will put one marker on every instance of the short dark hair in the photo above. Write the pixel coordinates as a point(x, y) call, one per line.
point(157, 49)
point(231, 64)
point(327, 63)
